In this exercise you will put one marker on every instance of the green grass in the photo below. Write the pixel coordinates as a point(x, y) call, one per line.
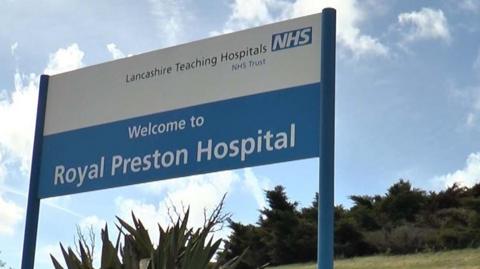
point(455, 259)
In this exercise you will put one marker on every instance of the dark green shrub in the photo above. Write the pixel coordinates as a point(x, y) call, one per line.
point(178, 247)
point(403, 239)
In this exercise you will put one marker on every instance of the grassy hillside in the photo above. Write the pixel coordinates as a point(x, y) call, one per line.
point(457, 259)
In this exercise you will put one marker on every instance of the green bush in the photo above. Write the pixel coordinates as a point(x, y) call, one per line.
point(457, 238)
point(349, 241)
point(402, 239)
point(178, 247)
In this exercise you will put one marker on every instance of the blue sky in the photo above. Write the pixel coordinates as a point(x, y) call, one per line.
point(408, 102)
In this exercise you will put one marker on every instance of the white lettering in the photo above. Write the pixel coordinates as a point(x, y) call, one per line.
point(221, 150)
point(242, 148)
point(137, 131)
point(116, 163)
point(207, 150)
point(59, 170)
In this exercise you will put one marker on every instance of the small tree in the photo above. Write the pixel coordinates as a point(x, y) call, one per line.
point(280, 222)
point(402, 202)
point(245, 237)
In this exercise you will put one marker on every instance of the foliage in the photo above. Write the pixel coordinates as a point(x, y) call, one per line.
point(409, 220)
point(283, 234)
point(402, 202)
point(179, 247)
point(243, 237)
point(403, 220)
point(279, 223)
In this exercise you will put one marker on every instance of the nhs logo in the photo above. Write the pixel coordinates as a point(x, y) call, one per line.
point(292, 39)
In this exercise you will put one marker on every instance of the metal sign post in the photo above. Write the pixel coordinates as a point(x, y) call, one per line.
point(33, 204)
point(327, 139)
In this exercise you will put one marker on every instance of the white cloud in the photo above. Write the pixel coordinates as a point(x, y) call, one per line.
point(469, 5)
point(471, 118)
point(54, 249)
point(148, 213)
point(93, 222)
point(18, 107)
point(10, 215)
point(3, 170)
point(17, 118)
point(349, 15)
point(64, 60)
point(250, 13)
point(476, 64)
point(170, 16)
point(472, 95)
point(424, 25)
point(218, 180)
point(257, 187)
point(468, 176)
point(473, 99)
point(13, 48)
point(43, 257)
point(201, 192)
point(116, 52)
point(222, 182)
point(197, 192)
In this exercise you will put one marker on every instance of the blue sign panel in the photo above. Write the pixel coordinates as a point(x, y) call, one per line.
point(258, 129)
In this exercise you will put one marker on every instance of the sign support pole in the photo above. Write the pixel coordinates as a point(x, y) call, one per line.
point(33, 206)
point(327, 139)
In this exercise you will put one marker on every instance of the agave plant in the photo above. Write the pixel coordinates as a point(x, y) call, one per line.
point(178, 247)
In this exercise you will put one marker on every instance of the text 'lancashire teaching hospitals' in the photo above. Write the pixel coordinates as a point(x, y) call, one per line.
point(263, 141)
point(197, 63)
point(280, 41)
